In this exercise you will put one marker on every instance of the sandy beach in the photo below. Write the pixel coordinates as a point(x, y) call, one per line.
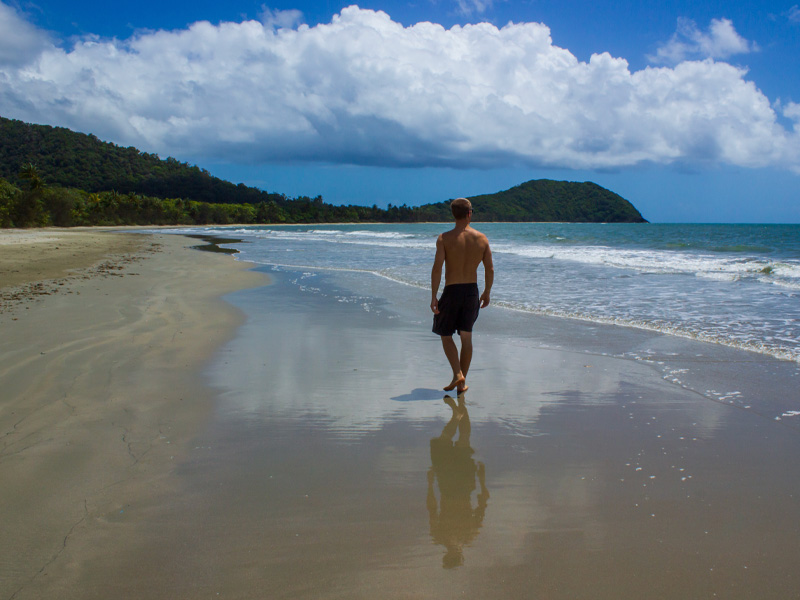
point(103, 339)
point(292, 441)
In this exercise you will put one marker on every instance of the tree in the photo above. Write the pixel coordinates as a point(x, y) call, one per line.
point(30, 173)
point(8, 193)
point(28, 210)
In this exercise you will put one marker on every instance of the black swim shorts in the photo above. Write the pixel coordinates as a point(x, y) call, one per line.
point(458, 309)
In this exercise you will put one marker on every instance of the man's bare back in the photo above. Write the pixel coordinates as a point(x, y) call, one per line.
point(464, 250)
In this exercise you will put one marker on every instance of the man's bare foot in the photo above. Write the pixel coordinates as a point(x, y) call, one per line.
point(462, 388)
point(458, 380)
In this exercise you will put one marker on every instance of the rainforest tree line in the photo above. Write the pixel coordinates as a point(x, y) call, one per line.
point(55, 176)
point(35, 204)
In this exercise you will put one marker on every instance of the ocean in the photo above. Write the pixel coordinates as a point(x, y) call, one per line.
point(732, 285)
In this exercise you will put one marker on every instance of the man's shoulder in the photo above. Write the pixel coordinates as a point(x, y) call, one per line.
point(478, 235)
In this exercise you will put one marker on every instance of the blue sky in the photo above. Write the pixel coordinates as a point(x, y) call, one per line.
point(691, 110)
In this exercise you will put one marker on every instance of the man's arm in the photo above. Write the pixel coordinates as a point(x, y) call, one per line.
point(488, 269)
point(436, 274)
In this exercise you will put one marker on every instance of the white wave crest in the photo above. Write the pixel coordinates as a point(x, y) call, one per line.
point(722, 268)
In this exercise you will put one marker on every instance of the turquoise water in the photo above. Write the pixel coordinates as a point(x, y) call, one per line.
point(735, 285)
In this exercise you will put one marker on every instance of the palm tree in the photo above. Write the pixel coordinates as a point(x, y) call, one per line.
point(31, 173)
point(29, 210)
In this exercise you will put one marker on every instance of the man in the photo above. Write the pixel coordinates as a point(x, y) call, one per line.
point(460, 250)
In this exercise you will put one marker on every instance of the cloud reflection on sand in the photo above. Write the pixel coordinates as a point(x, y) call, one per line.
point(355, 371)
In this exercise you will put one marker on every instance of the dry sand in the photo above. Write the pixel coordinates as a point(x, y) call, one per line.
point(102, 338)
point(30, 256)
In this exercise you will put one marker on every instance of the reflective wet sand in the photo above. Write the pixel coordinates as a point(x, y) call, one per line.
point(334, 468)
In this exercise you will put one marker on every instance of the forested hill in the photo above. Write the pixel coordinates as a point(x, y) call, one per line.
point(564, 201)
point(56, 176)
point(75, 160)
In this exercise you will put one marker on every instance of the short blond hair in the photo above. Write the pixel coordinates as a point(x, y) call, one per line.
point(460, 207)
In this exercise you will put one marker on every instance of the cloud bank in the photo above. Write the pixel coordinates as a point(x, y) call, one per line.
point(365, 90)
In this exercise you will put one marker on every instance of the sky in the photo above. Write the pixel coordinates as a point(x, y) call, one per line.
point(689, 109)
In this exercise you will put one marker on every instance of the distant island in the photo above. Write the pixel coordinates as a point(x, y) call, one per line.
point(55, 176)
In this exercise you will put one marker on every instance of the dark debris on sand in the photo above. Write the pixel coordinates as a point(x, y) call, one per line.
point(14, 297)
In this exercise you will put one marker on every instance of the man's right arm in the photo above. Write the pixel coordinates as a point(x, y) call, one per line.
point(436, 274)
point(488, 268)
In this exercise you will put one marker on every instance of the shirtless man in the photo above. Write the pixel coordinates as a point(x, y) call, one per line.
point(460, 250)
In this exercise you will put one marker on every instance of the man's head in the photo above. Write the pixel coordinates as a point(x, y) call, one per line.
point(461, 208)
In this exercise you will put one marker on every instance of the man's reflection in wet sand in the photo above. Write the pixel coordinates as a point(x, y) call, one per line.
point(454, 523)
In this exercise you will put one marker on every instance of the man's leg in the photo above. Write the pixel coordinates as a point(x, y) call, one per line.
point(466, 355)
point(451, 352)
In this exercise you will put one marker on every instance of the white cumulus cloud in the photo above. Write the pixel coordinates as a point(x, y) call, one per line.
point(20, 42)
point(721, 41)
point(366, 90)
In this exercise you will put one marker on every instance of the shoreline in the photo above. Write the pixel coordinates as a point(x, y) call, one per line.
point(759, 334)
point(102, 372)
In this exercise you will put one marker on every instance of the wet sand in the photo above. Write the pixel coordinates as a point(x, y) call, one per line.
point(603, 478)
point(102, 342)
point(323, 461)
